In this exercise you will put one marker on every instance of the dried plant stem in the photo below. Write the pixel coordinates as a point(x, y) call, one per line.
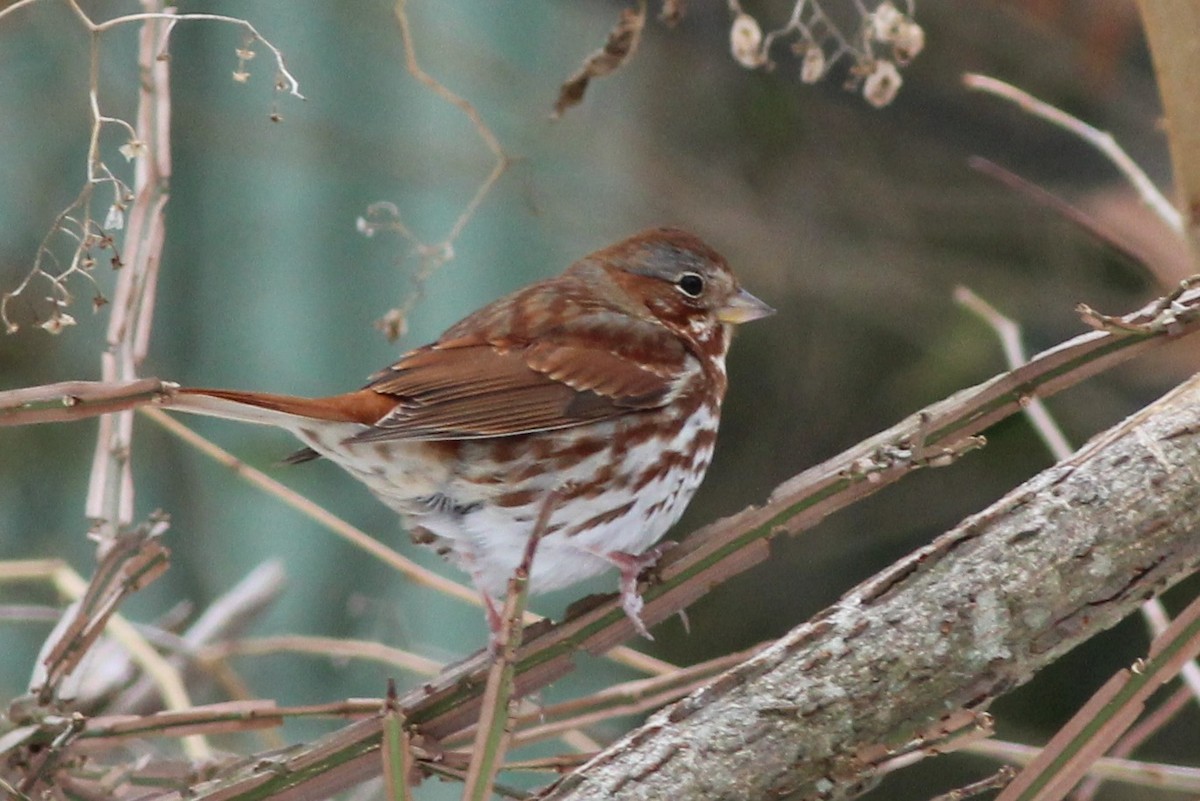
point(1085, 738)
point(1157, 775)
point(468, 110)
point(71, 585)
point(492, 733)
point(110, 491)
point(1101, 140)
point(328, 647)
point(1158, 622)
point(1009, 334)
point(226, 616)
point(397, 749)
point(1170, 27)
point(1146, 728)
point(997, 780)
point(628, 698)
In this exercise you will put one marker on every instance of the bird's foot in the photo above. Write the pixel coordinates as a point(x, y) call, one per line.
point(632, 567)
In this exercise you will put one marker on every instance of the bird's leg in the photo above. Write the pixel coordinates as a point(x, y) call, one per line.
point(632, 566)
point(494, 621)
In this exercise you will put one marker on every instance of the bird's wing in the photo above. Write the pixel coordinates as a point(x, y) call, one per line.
point(466, 389)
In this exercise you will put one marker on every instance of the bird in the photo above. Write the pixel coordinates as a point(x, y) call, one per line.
point(590, 399)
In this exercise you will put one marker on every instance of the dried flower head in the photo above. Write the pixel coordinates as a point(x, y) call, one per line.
point(882, 83)
point(57, 322)
point(812, 65)
point(132, 149)
point(908, 42)
point(745, 41)
point(883, 20)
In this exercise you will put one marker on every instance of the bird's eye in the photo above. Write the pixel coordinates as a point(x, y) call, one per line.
point(690, 284)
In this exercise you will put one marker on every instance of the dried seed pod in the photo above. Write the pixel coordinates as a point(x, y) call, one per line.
point(745, 41)
point(883, 22)
point(908, 41)
point(812, 65)
point(882, 83)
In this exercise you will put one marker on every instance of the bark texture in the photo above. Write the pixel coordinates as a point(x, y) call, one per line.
point(951, 627)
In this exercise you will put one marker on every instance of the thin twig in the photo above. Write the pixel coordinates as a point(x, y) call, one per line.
point(492, 735)
point(433, 255)
point(997, 780)
point(1101, 140)
point(397, 748)
point(329, 647)
point(1009, 334)
point(1110, 711)
point(1159, 775)
point(1150, 725)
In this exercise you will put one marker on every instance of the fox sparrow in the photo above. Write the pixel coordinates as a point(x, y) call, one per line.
point(601, 386)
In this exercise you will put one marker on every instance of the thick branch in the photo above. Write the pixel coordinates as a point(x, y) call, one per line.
point(949, 628)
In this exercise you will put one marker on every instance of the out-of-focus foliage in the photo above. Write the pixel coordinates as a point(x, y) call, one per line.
point(855, 223)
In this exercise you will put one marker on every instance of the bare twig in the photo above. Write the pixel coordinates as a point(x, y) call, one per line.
point(397, 748)
point(110, 491)
point(1009, 334)
point(1155, 775)
point(997, 780)
point(1101, 140)
point(1109, 713)
point(1163, 714)
point(225, 617)
point(1072, 214)
point(328, 647)
point(492, 734)
point(385, 216)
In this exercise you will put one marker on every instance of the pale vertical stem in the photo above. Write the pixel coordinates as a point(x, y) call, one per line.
point(1170, 27)
point(110, 494)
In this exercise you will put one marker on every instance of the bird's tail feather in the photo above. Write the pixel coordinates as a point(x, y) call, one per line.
point(283, 411)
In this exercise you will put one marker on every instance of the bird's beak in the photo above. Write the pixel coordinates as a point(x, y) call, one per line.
point(743, 308)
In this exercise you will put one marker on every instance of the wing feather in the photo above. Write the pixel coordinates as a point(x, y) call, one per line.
point(464, 389)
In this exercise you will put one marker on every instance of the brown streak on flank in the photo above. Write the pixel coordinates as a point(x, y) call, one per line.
point(602, 481)
point(654, 509)
point(530, 471)
point(578, 450)
point(442, 450)
point(506, 449)
point(643, 432)
point(542, 448)
point(517, 498)
point(705, 438)
point(601, 519)
point(669, 461)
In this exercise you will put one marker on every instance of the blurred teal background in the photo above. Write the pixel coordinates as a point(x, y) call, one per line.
point(855, 223)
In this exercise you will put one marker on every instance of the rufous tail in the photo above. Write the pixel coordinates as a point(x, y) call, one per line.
point(285, 411)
